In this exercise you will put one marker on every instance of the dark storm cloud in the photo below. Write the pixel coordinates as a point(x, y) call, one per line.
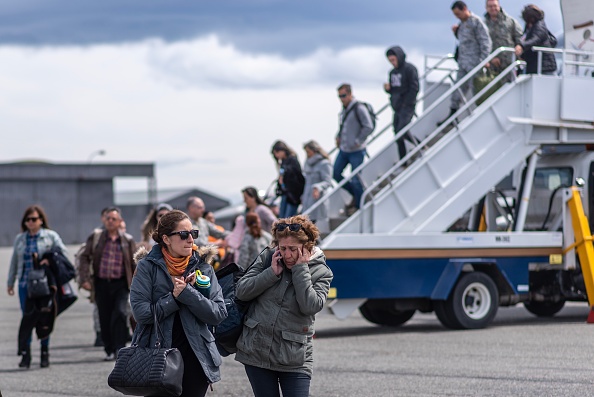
point(287, 27)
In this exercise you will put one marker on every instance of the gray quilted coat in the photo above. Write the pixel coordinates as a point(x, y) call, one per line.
point(152, 284)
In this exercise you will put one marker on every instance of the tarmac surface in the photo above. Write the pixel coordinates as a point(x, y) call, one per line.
point(518, 355)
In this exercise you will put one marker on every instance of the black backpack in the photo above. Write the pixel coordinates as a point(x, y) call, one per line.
point(229, 330)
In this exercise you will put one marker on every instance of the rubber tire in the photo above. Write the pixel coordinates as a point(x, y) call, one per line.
point(544, 309)
point(451, 312)
point(444, 315)
point(379, 312)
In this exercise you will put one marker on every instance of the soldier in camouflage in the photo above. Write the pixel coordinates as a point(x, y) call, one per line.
point(505, 31)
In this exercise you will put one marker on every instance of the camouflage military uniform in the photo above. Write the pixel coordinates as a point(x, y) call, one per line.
point(504, 32)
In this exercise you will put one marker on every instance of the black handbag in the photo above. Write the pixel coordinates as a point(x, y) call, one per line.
point(148, 371)
point(37, 282)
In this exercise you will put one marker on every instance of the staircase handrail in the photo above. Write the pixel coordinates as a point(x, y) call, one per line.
point(431, 136)
point(405, 130)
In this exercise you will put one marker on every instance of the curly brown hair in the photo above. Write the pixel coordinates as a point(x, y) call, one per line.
point(307, 234)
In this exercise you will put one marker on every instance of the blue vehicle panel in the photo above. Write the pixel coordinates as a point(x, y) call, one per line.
point(418, 278)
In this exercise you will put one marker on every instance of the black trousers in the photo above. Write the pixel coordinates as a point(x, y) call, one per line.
point(111, 297)
point(401, 119)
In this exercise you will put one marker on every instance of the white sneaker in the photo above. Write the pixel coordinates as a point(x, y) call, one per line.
point(110, 357)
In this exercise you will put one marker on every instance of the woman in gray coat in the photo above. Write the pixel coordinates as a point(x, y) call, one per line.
point(289, 285)
point(165, 282)
point(317, 171)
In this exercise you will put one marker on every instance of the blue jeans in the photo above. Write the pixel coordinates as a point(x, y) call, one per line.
point(265, 382)
point(355, 159)
point(22, 299)
point(286, 209)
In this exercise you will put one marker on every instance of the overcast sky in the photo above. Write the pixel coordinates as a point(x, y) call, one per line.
point(201, 88)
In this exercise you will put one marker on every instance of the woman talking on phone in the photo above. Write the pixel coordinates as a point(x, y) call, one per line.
point(165, 282)
point(289, 285)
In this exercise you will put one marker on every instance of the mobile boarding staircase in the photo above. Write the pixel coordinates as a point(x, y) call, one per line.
point(457, 163)
point(411, 202)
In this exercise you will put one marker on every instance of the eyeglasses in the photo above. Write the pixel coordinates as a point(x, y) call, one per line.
point(294, 227)
point(32, 219)
point(184, 234)
point(342, 95)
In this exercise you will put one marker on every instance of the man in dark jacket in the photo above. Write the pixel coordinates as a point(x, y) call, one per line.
point(403, 89)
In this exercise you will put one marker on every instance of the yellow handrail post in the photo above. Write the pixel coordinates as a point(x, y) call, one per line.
point(583, 245)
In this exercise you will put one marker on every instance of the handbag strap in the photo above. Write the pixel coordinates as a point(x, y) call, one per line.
point(157, 328)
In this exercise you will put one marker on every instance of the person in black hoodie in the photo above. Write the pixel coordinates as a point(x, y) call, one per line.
point(290, 181)
point(403, 89)
point(536, 34)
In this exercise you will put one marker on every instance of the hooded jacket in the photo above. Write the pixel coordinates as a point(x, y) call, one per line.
point(279, 325)
point(152, 289)
point(404, 82)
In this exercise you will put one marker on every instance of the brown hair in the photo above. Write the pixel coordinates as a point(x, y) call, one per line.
point(281, 146)
point(345, 86)
point(31, 209)
point(167, 224)
point(531, 14)
point(252, 220)
point(307, 235)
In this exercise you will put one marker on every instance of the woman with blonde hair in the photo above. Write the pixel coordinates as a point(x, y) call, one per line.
point(317, 171)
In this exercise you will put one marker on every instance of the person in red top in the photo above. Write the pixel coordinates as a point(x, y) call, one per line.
point(108, 268)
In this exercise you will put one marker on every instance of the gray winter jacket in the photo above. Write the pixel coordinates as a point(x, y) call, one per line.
point(474, 42)
point(318, 174)
point(355, 127)
point(152, 285)
point(279, 326)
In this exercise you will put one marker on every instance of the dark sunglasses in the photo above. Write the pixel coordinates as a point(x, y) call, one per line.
point(294, 227)
point(184, 234)
point(31, 219)
point(342, 95)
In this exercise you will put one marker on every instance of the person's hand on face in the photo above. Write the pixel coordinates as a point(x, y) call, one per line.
point(178, 285)
point(304, 256)
point(276, 265)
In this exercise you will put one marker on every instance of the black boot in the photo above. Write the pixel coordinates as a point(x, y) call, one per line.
point(98, 340)
point(44, 357)
point(26, 360)
point(452, 111)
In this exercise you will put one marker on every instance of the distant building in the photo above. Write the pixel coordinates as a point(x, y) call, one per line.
point(73, 196)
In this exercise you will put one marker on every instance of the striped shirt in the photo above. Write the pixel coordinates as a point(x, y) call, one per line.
point(112, 260)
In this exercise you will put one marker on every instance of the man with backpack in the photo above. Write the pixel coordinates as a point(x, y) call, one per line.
point(356, 123)
point(403, 87)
